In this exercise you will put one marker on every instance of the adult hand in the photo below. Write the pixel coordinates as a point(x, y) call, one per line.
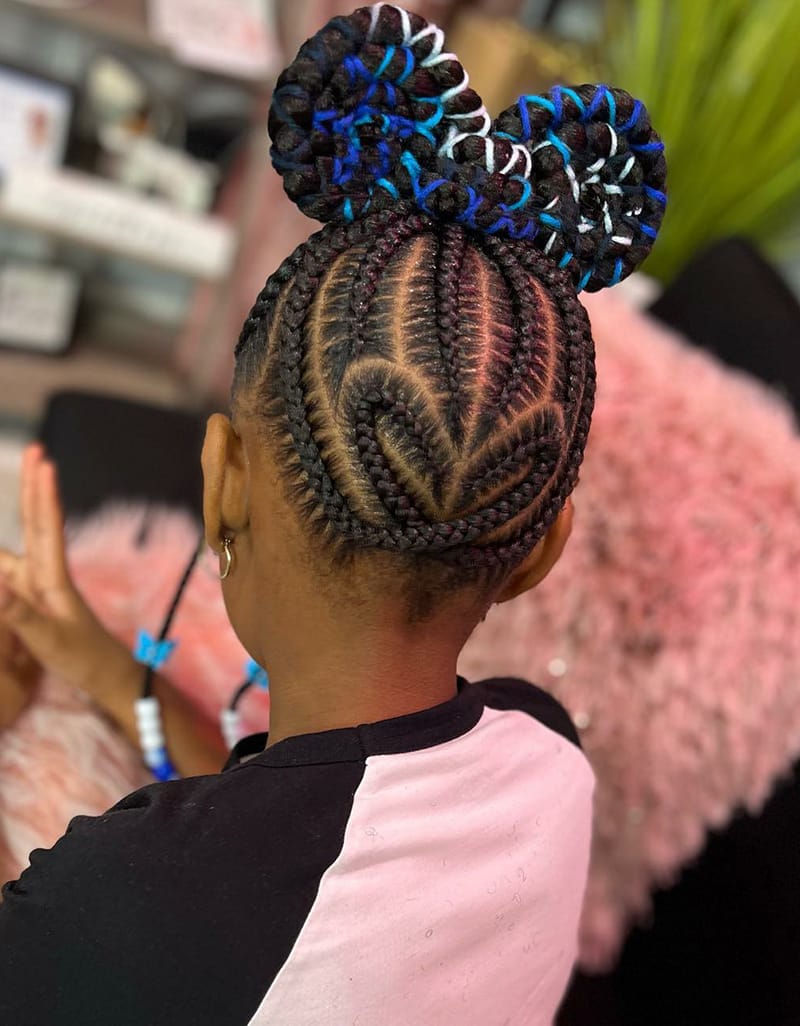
point(42, 608)
point(39, 603)
point(19, 673)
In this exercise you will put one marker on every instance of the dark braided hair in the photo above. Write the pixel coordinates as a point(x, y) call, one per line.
point(423, 361)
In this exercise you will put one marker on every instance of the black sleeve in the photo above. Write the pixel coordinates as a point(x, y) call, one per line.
point(176, 906)
point(89, 934)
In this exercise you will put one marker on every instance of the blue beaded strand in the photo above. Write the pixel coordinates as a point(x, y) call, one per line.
point(153, 653)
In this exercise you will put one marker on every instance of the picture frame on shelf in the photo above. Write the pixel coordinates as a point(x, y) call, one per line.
point(35, 119)
point(38, 304)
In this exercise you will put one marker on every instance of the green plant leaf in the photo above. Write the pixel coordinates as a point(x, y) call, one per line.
point(721, 80)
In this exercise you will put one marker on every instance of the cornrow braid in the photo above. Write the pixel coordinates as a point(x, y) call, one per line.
point(451, 255)
point(381, 250)
point(388, 491)
point(251, 338)
point(422, 363)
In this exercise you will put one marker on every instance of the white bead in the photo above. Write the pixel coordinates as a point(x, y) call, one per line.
point(557, 667)
point(230, 724)
point(582, 720)
point(151, 738)
point(147, 710)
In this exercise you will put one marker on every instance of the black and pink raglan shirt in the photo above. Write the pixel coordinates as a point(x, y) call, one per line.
point(426, 870)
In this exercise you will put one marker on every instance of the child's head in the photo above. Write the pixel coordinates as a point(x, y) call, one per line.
point(414, 385)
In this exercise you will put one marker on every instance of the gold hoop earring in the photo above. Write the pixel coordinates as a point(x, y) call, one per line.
point(226, 551)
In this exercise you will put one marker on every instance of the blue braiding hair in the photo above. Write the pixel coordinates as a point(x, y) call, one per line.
point(374, 112)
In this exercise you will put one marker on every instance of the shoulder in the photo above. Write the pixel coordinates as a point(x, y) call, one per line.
point(101, 926)
point(515, 693)
point(78, 923)
point(177, 836)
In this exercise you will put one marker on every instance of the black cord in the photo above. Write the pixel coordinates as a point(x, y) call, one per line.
point(243, 687)
point(147, 685)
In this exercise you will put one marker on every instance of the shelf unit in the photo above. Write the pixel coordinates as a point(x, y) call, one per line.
point(122, 22)
point(26, 379)
point(64, 204)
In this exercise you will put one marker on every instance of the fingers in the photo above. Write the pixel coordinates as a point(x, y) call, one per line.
point(45, 563)
point(49, 560)
point(18, 674)
point(15, 610)
point(8, 644)
point(14, 572)
point(38, 632)
point(14, 656)
point(31, 458)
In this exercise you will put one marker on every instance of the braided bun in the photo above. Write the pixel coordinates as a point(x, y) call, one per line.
point(373, 114)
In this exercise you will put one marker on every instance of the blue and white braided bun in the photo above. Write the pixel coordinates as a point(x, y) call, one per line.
point(373, 113)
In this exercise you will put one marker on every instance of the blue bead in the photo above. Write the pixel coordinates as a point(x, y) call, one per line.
point(256, 674)
point(161, 767)
point(151, 652)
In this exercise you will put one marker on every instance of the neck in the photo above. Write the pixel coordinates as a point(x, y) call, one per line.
point(348, 679)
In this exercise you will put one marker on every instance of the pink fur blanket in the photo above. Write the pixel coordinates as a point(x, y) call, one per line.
point(62, 758)
point(671, 629)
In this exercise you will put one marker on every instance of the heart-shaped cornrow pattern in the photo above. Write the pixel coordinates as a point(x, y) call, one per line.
point(432, 387)
point(374, 113)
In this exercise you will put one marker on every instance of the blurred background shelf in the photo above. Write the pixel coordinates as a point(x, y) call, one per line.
point(151, 151)
point(28, 379)
point(123, 22)
point(97, 214)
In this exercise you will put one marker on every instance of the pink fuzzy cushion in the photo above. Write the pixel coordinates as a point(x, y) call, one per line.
point(62, 758)
point(671, 629)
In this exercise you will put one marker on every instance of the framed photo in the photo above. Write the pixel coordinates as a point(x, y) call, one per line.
point(35, 116)
point(37, 306)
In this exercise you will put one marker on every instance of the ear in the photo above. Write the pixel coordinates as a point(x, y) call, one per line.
point(226, 481)
point(541, 560)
